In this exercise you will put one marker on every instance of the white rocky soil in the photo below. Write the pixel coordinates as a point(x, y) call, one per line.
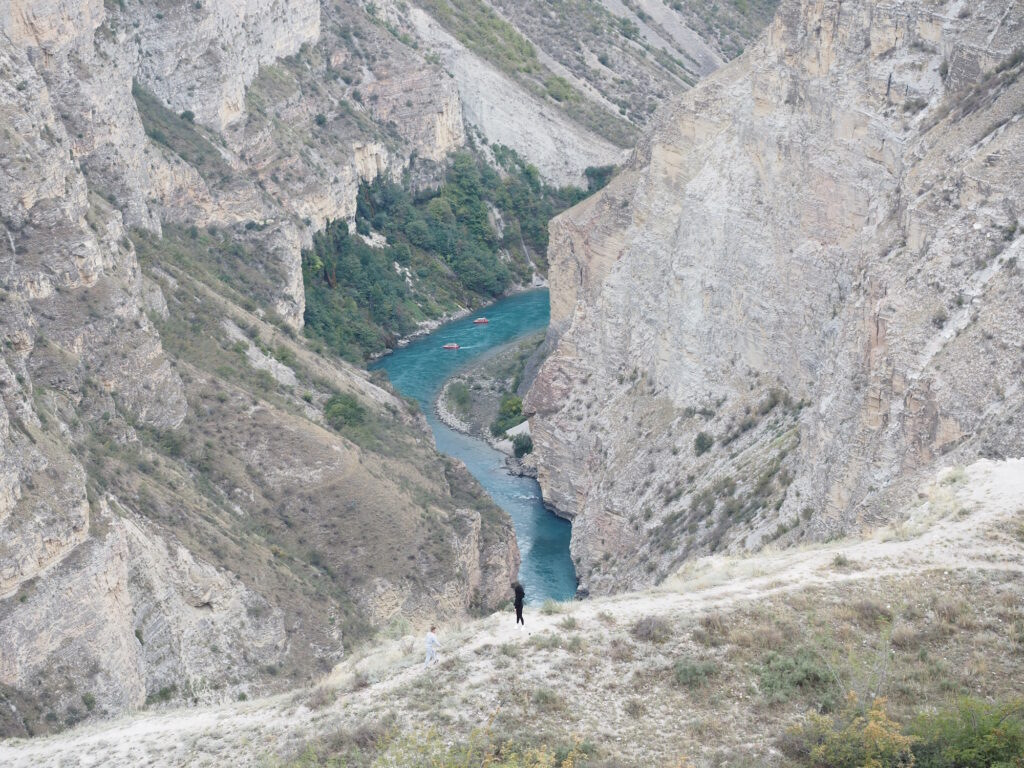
point(962, 523)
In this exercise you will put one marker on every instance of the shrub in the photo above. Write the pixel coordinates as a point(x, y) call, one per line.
point(598, 176)
point(163, 695)
point(551, 607)
point(522, 445)
point(320, 119)
point(702, 443)
point(854, 739)
point(693, 674)
point(559, 88)
point(652, 629)
point(510, 413)
point(904, 637)
point(976, 734)
point(341, 411)
point(715, 623)
point(870, 612)
point(783, 675)
point(321, 697)
point(547, 700)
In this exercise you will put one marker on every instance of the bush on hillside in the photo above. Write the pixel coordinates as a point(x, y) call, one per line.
point(510, 413)
point(803, 671)
point(522, 445)
point(653, 629)
point(973, 734)
point(702, 443)
point(856, 738)
point(342, 411)
point(693, 674)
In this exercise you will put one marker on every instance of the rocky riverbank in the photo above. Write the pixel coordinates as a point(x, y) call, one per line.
point(471, 400)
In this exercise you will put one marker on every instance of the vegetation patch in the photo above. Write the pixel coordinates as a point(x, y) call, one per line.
point(522, 445)
point(803, 672)
point(442, 252)
point(689, 673)
point(973, 734)
point(180, 135)
point(510, 414)
point(652, 629)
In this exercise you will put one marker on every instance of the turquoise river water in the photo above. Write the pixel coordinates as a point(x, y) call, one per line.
point(421, 369)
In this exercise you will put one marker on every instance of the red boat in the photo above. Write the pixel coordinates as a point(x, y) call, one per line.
point(481, 321)
point(450, 346)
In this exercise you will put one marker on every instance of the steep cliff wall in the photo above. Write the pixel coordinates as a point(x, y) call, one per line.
point(178, 521)
point(798, 297)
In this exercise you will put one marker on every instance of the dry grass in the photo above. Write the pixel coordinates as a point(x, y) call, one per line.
point(905, 637)
point(652, 629)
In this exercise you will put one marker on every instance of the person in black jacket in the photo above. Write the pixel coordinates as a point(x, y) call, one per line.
point(518, 602)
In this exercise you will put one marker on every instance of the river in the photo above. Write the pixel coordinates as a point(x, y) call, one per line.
point(420, 369)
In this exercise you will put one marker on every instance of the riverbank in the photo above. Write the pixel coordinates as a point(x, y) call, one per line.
point(469, 401)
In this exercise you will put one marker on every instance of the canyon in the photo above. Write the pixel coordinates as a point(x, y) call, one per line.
point(179, 520)
point(783, 368)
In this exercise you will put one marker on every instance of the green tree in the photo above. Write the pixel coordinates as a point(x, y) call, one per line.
point(344, 410)
point(522, 444)
point(510, 413)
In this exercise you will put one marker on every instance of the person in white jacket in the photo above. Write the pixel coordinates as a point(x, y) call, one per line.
point(432, 645)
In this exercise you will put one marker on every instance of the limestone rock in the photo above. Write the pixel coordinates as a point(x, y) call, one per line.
point(797, 298)
point(176, 520)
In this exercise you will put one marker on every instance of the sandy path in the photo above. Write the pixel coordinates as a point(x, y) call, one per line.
point(964, 523)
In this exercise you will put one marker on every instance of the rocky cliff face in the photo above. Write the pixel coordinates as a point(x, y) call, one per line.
point(177, 519)
point(801, 294)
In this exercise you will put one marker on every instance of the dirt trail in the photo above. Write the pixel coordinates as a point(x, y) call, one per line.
point(964, 521)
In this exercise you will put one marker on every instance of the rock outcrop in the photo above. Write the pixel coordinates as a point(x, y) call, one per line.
point(801, 294)
point(177, 520)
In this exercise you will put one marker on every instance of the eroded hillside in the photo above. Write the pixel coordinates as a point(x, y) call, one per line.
point(800, 297)
point(195, 506)
point(721, 665)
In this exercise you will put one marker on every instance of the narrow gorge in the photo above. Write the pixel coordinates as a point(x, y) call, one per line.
point(201, 497)
point(779, 396)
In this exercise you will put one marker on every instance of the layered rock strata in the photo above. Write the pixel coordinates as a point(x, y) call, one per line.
point(800, 296)
point(177, 520)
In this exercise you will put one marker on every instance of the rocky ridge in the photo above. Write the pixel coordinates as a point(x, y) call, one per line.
point(178, 520)
point(799, 296)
